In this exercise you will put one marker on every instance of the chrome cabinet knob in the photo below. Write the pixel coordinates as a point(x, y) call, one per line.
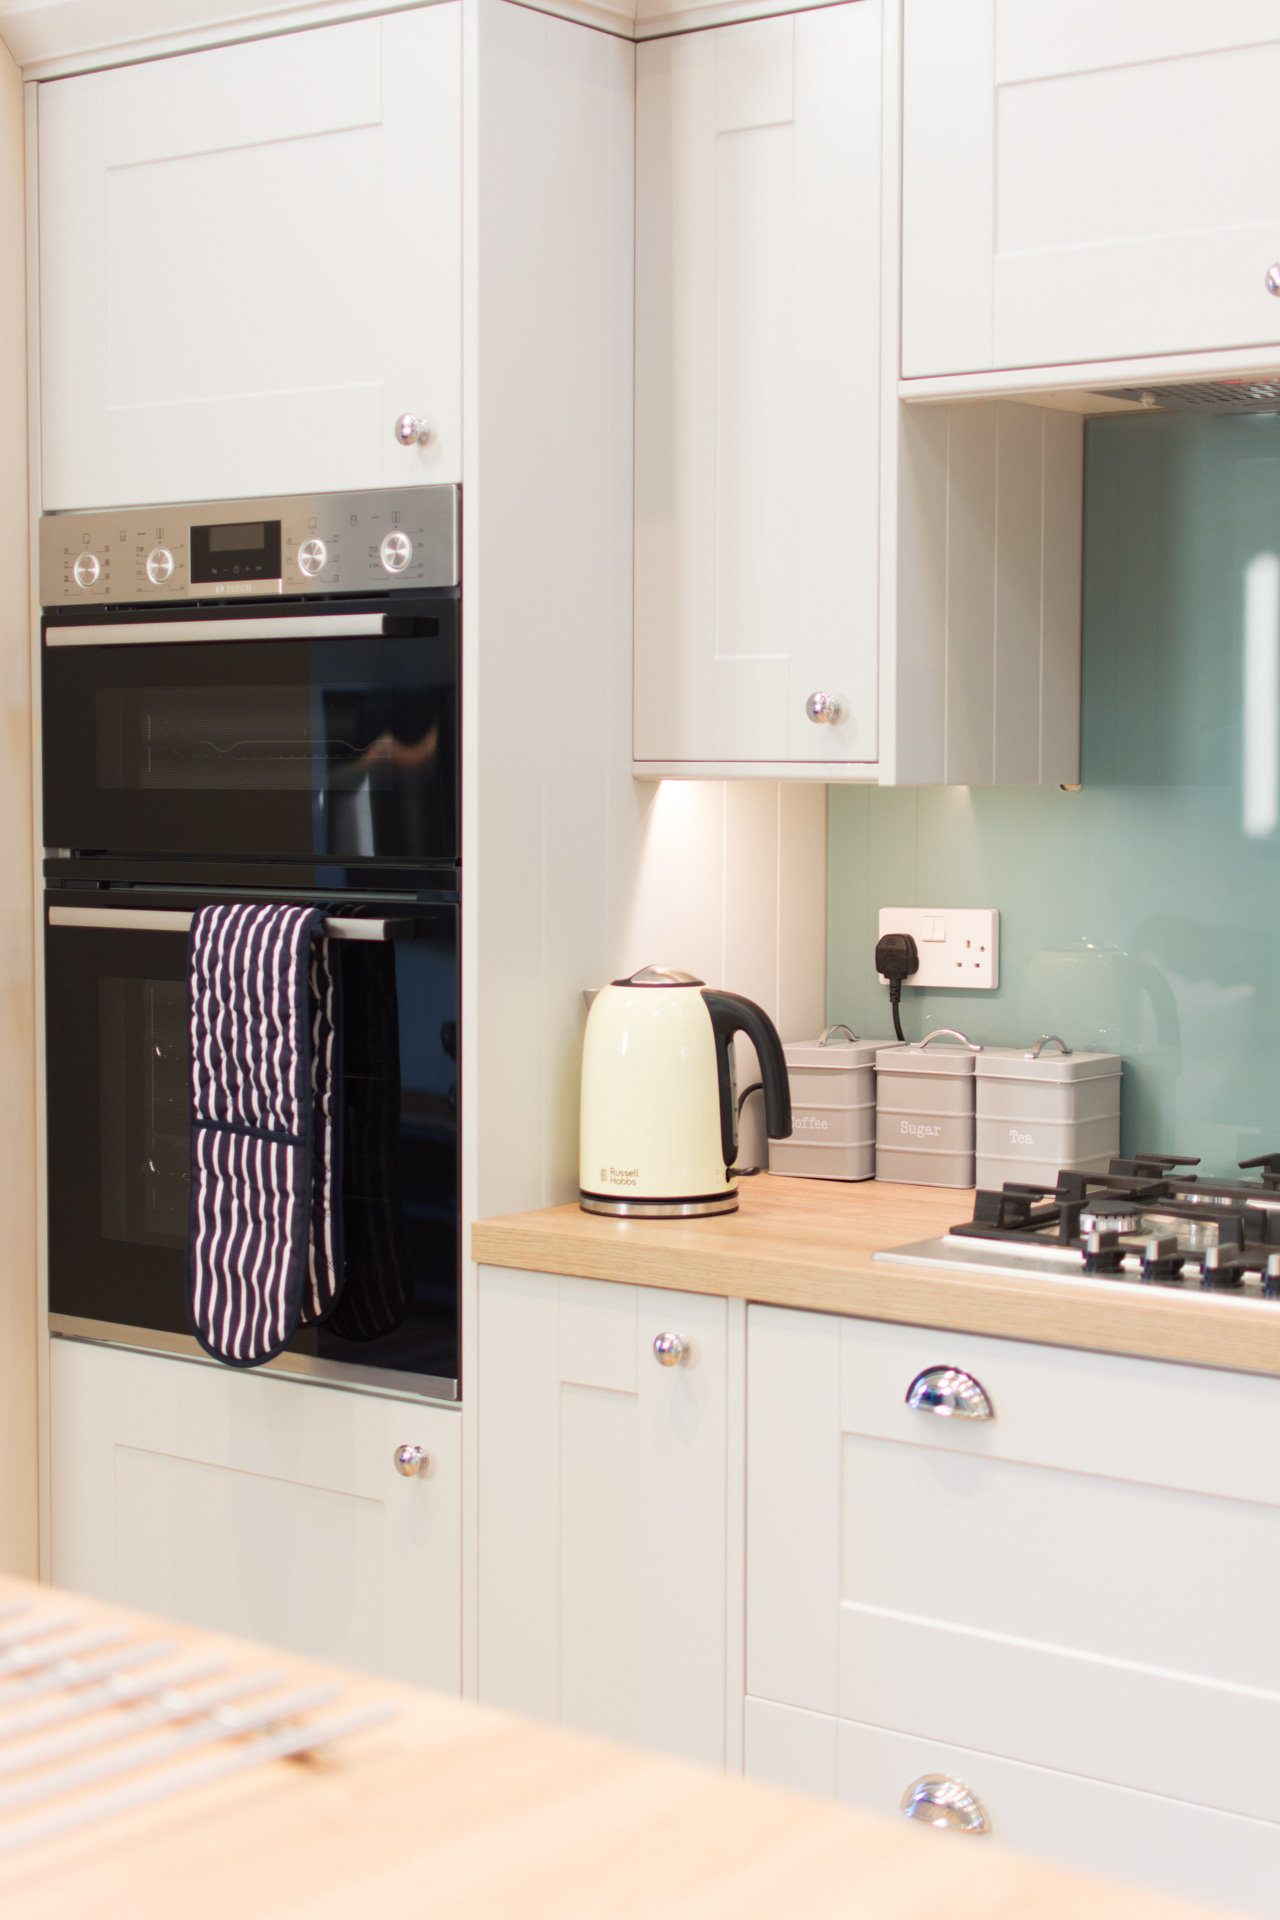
point(940, 1802)
point(410, 1460)
point(669, 1349)
point(951, 1393)
point(414, 430)
point(823, 708)
point(1273, 278)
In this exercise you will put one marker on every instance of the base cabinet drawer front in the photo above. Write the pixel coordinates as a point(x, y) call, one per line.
point(1127, 1725)
point(1196, 1429)
point(1189, 1850)
point(1049, 187)
point(602, 1509)
point(260, 1506)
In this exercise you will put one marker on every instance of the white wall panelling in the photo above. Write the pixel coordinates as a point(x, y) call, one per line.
point(982, 613)
point(603, 1503)
point(259, 1506)
point(250, 266)
point(1054, 209)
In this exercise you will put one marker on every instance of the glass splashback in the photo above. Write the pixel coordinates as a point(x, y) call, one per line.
point(1142, 914)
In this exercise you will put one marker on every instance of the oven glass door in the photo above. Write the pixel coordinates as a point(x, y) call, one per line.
point(339, 747)
point(118, 1076)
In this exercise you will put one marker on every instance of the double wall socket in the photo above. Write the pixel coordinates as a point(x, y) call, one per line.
point(958, 946)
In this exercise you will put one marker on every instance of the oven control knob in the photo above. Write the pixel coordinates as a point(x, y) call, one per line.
point(159, 566)
point(86, 569)
point(396, 552)
point(312, 555)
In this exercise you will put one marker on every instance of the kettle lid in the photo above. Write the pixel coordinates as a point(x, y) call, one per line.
point(660, 977)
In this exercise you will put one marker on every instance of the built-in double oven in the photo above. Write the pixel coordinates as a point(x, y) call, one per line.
point(251, 701)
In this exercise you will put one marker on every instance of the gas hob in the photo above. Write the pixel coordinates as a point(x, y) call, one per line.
point(1149, 1221)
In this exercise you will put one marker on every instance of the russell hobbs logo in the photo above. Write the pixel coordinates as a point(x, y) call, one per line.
point(621, 1176)
point(808, 1123)
point(919, 1133)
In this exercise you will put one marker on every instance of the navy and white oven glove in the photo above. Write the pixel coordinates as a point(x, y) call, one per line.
point(265, 1243)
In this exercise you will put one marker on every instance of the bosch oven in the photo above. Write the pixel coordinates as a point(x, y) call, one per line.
point(251, 700)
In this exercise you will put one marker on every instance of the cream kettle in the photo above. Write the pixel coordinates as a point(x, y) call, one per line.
point(659, 1098)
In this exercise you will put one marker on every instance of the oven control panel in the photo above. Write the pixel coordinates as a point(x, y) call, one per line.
point(230, 549)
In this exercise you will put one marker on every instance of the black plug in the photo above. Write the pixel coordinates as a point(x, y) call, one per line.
point(897, 958)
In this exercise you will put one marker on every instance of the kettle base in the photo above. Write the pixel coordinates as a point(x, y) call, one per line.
point(636, 1209)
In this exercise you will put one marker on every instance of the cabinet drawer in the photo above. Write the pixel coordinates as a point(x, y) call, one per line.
point(1194, 1428)
point(1193, 1851)
point(1188, 1850)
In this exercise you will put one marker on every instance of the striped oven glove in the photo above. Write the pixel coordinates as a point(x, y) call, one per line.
point(264, 1247)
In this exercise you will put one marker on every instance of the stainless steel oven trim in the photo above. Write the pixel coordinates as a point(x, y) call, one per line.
point(305, 1366)
point(197, 630)
point(158, 920)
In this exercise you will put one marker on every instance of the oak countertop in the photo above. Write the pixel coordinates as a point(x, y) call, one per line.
point(808, 1243)
point(457, 1809)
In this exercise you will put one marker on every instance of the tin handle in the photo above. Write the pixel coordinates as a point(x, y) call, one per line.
point(950, 1033)
point(1046, 1040)
point(824, 1038)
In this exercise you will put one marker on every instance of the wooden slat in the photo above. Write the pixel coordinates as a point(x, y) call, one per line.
point(808, 1243)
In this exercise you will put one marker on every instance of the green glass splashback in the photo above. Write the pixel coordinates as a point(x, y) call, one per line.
point(1141, 915)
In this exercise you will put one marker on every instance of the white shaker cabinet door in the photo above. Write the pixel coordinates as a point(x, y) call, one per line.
point(1088, 182)
point(250, 266)
point(602, 1509)
point(757, 388)
point(261, 1506)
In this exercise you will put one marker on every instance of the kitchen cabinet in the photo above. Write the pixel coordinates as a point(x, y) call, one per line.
point(250, 266)
point(259, 1505)
point(603, 1509)
point(799, 532)
point(1066, 1606)
point(1088, 183)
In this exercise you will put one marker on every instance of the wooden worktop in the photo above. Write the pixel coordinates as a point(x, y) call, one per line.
point(456, 1809)
point(808, 1243)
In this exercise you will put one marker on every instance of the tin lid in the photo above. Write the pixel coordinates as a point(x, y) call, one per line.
point(836, 1050)
point(921, 1056)
point(1027, 1063)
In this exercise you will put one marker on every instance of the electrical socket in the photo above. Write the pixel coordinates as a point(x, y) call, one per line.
point(958, 946)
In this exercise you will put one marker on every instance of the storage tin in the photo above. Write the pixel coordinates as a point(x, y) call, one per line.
point(925, 1112)
point(1042, 1112)
point(833, 1108)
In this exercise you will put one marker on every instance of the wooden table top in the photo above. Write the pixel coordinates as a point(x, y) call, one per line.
point(454, 1809)
point(808, 1243)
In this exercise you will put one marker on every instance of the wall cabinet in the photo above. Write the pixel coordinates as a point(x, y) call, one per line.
point(758, 387)
point(1033, 1604)
point(250, 266)
point(603, 1509)
point(1086, 183)
point(261, 1506)
point(798, 530)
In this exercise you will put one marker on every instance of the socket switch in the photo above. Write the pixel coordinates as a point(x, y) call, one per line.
point(958, 946)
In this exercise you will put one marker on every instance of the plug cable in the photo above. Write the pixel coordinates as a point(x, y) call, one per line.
point(897, 958)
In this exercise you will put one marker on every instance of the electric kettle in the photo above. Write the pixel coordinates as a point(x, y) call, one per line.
point(659, 1096)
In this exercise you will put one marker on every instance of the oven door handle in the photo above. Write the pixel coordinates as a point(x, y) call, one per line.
point(277, 626)
point(152, 920)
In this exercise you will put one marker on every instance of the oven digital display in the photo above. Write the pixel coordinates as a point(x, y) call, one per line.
point(242, 539)
point(239, 552)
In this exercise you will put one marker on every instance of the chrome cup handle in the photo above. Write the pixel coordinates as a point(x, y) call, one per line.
point(941, 1802)
point(950, 1392)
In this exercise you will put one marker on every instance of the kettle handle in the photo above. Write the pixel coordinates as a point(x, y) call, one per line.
point(731, 1014)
